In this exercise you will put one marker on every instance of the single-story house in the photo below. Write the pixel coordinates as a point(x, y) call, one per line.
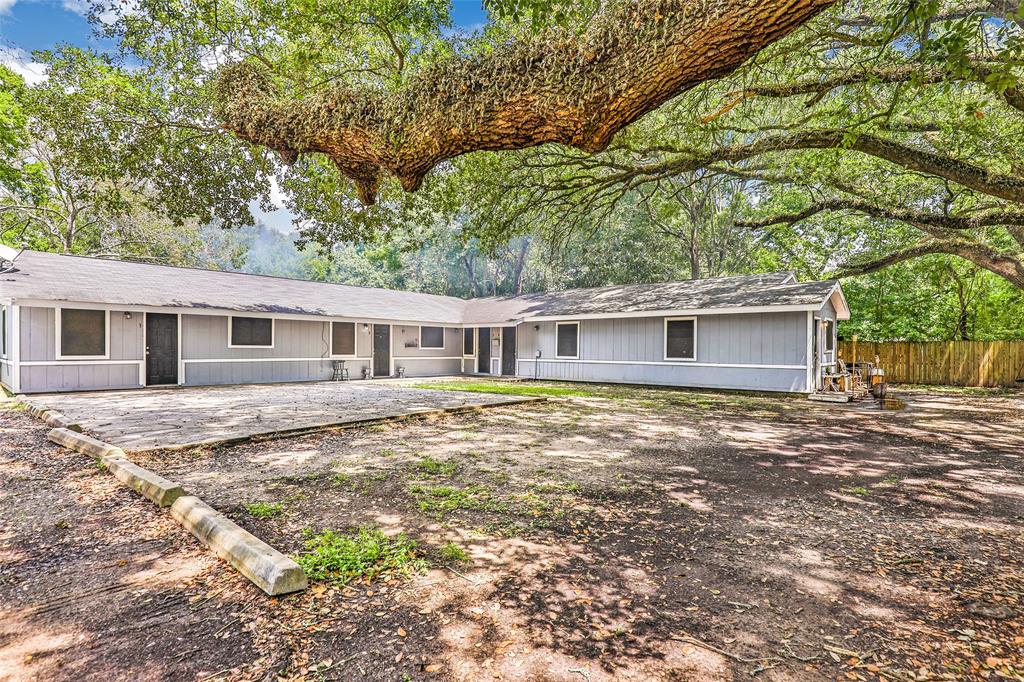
point(72, 323)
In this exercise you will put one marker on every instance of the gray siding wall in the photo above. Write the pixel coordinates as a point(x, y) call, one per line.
point(425, 362)
point(632, 351)
point(39, 344)
point(300, 353)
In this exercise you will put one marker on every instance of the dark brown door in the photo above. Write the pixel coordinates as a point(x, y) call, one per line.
point(161, 349)
point(508, 351)
point(381, 350)
point(483, 349)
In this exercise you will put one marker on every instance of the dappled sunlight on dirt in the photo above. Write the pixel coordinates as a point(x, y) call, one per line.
point(643, 535)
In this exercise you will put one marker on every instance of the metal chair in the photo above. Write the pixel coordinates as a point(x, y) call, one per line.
point(340, 370)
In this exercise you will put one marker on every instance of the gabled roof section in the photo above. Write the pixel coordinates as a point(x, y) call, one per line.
point(774, 290)
point(55, 277)
point(76, 279)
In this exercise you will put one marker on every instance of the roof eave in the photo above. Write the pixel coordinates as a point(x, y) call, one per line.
point(839, 302)
point(725, 310)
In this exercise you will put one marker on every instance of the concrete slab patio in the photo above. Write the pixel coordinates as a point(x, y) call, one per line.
point(152, 419)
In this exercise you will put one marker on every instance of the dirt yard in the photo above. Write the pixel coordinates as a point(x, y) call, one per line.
point(609, 533)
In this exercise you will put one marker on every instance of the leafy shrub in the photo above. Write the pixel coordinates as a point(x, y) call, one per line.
point(437, 467)
point(367, 553)
point(441, 499)
point(452, 553)
point(264, 510)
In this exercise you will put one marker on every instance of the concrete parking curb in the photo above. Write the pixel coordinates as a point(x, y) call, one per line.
point(270, 570)
point(59, 421)
point(80, 442)
point(152, 486)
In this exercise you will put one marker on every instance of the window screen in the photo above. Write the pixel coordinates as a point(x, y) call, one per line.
point(830, 337)
point(252, 331)
point(3, 330)
point(568, 343)
point(431, 337)
point(343, 338)
point(680, 341)
point(83, 332)
point(467, 341)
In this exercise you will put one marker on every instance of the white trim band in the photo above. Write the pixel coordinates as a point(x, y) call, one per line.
point(199, 361)
point(679, 363)
point(79, 363)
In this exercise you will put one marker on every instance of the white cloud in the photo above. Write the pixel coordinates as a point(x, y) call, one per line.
point(6, 5)
point(76, 6)
point(20, 62)
point(82, 8)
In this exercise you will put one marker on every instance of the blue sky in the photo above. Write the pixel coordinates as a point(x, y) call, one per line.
point(29, 25)
point(40, 24)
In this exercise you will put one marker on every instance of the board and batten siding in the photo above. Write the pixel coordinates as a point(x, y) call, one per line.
point(301, 352)
point(756, 351)
point(42, 372)
point(426, 362)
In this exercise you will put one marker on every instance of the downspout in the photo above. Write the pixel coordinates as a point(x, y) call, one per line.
point(809, 379)
point(14, 352)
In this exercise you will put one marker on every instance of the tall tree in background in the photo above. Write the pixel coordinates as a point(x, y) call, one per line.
point(910, 118)
point(110, 162)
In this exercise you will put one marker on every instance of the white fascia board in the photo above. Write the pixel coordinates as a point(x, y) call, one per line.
point(222, 312)
point(678, 313)
point(838, 297)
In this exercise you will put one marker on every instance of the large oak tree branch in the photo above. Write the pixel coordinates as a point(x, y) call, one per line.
point(1007, 267)
point(969, 175)
point(1013, 96)
point(919, 219)
point(574, 89)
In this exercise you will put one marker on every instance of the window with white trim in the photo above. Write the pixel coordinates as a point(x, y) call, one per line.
point(432, 337)
point(567, 340)
point(83, 333)
point(681, 338)
point(343, 339)
point(251, 332)
point(468, 341)
point(3, 331)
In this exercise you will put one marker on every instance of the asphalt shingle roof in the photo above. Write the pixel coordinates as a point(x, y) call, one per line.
point(60, 278)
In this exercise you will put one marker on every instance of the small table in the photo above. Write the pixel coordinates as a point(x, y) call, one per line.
point(340, 370)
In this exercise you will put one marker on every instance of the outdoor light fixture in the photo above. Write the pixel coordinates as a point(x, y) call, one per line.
point(366, 327)
point(536, 327)
point(127, 315)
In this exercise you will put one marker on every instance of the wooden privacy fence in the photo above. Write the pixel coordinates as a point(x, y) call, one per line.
point(949, 363)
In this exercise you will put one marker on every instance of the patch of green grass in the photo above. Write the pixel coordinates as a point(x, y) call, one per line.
point(557, 487)
point(340, 479)
point(442, 499)
point(386, 452)
point(264, 510)
point(452, 553)
point(859, 490)
point(506, 388)
point(341, 557)
point(436, 467)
